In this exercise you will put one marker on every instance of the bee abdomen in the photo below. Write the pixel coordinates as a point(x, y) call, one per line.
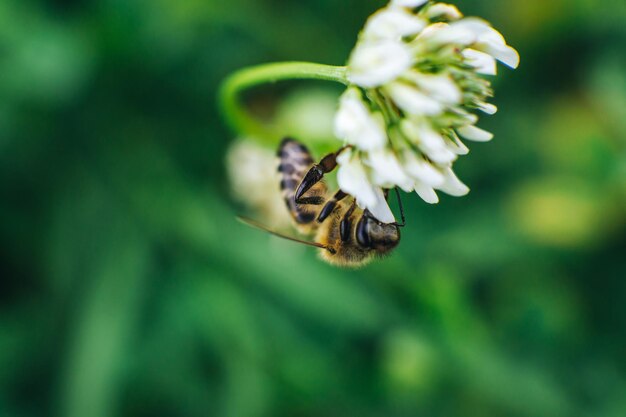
point(295, 162)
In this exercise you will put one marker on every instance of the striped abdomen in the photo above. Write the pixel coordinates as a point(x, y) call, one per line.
point(295, 162)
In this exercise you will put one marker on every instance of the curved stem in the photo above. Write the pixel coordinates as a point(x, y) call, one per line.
point(235, 114)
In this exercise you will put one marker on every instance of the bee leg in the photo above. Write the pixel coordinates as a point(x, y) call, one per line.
point(330, 206)
point(386, 194)
point(401, 209)
point(316, 173)
point(345, 227)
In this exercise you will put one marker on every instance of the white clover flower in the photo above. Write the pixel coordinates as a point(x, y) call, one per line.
point(416, 78)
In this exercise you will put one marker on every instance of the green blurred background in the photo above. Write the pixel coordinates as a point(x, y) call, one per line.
point(128, 289)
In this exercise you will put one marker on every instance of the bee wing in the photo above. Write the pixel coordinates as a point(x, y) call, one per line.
point(256, 225)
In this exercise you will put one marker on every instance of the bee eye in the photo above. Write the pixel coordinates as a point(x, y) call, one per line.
point(362, 235)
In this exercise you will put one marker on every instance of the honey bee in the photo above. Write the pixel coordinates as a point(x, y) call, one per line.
point(346, 235)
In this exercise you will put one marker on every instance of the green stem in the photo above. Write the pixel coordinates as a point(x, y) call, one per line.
point(235, 114)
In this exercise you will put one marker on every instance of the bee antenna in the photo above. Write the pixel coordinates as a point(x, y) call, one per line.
point(256, 225)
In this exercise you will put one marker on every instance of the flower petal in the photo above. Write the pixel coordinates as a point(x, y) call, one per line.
point(504, 53)
point(489, 40)
point(475, 133)
point(426, 193)
point(479, 27)
point(353, 180)
point(380, 209)
point(429, 141)
point(443, 10)
point(375, 63)
point(387, 171)
point(440, 33)
point(392, 23)
point(408, 3)
point(439, 87)
point(487, 108)
point(463, 117)
point(452, 185)
point(357, 125)
point(412, 100)
point(421, 170)
point(455, 144)
point(483, 63)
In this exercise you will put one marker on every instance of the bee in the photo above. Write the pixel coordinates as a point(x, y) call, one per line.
point(345, 234)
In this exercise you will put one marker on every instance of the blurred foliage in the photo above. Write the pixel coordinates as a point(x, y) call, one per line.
point(128, 289)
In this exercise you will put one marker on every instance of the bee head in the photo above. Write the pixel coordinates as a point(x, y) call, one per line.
point(375, 235)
